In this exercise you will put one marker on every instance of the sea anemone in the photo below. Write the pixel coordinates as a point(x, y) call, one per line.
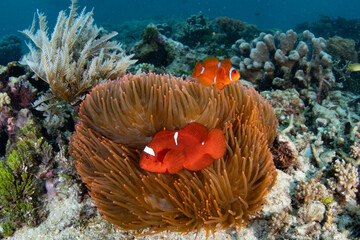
point(119, 118)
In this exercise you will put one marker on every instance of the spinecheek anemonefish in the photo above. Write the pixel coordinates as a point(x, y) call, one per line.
point(214, 72)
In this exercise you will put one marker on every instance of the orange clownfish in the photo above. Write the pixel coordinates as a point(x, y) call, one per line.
point(193, 148)
point(214, 72)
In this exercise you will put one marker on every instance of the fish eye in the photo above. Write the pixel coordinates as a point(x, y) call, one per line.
point(147, 156)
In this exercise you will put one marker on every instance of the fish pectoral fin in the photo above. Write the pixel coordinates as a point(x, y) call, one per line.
point(226, 62)
point(174, 160)
point(203, 80)
point(220, 78)
point(199, 163)
point(215, 144)
point(151, 165)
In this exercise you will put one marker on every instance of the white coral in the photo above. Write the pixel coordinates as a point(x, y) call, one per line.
point(75, 58)
point(355, 151)
point(4, 99)
point(346, 180)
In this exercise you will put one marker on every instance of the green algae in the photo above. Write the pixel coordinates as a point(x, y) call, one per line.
point(18, 184)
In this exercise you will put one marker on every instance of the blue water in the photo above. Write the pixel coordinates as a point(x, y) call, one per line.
point(18, 14)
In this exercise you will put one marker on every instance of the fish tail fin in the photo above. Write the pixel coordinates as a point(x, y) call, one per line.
point(215, 144)
point(174, 160)
point(197, 70)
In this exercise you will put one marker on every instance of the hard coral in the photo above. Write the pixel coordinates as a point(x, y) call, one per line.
point(196, 31)
point(310, 191)
point(117, 119)
point(342, 48)
point(235, 29)
point(346, 179)
point(284, 60)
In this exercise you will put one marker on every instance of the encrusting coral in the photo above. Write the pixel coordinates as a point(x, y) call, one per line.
point(118, 118)
point(77, 57)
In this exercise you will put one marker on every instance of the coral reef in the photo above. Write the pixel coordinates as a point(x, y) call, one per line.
point(310, 191)
point(161, 51)
point(336, 119)
point(329, 27)
point(57, 116)
point(346, 179)
point(316, 148)
point(107, 144)
point(279, 223)
point(287, 103)
point(16, 95)
point(152, 49)
point(234, 29)
point(195, 31)
point(284, 61)
point(355, 152)
point(342, 49)
point(284, 152)
point(10, 49)
point(77, 57)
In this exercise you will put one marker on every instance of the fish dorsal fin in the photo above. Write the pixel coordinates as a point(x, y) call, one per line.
point(197, 70)
point(211, 62)
point(163, 134)
point(195, 130)
point(226, 63)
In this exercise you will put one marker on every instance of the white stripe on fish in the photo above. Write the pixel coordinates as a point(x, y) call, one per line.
point(149, 151)
point(176, 134)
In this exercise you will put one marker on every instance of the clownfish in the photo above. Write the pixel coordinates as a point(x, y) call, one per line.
point(193, 148)
point(214, 72)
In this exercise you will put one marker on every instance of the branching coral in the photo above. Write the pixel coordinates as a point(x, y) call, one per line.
point(76, 57)
point(119, 118)
point(346, 179)
point(310, 191)
point(280, 222)
point(285, 60)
